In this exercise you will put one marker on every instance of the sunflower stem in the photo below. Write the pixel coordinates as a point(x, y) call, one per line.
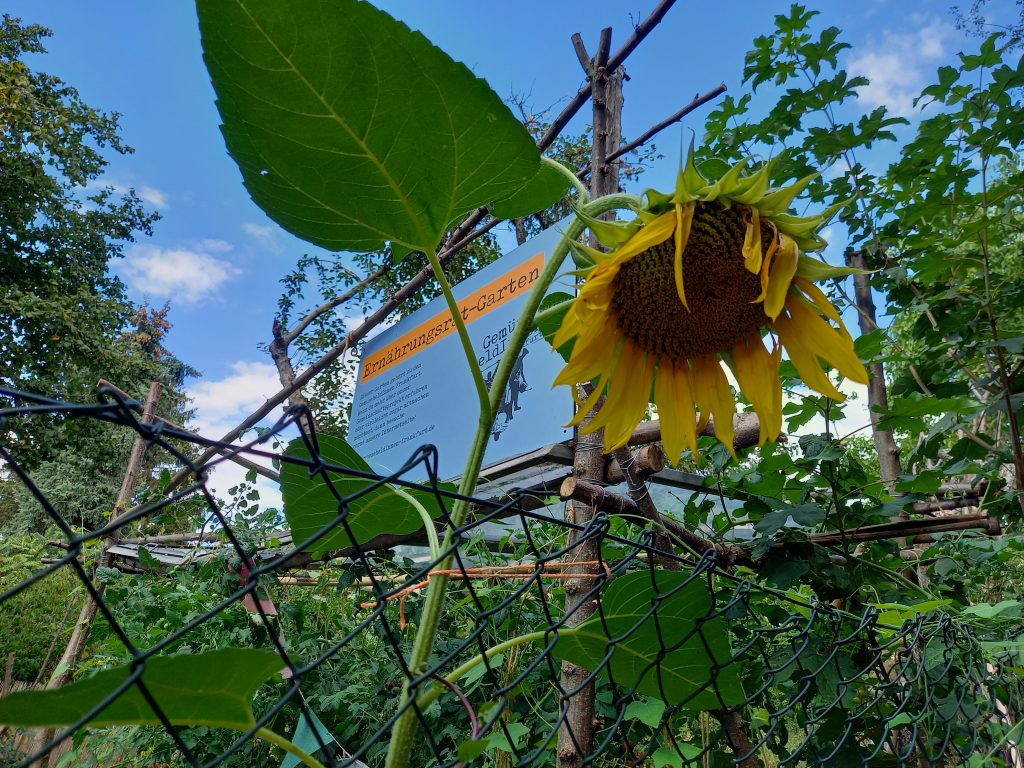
point(404, 730)
point(280, 741)
point(467, 344)
point(579, 186)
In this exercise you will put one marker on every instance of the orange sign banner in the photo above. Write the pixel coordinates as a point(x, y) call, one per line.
point(512, 284)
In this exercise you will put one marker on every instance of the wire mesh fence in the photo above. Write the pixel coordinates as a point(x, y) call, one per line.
point(683, 661)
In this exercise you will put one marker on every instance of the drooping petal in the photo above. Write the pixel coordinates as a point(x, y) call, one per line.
point(658, 231)
point(825, 341)
point(815, 294)
point(684, 222)
point(713, 396)
point(627, 399)
point(806, 337)
point(757, 372)
point(593, 353)
point(783, 269)
point(674, 397)
point(752, 242)
point(766, 267)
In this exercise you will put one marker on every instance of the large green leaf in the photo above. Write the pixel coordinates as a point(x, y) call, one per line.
point(350, 129)
point(687, 673)
point(212, 689)
point(310, 504)
point(545, 189)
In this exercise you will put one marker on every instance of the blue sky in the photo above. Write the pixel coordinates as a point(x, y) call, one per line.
point(218, 258)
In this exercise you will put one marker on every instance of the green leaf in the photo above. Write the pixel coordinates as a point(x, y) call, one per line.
point(146, 559)
point(545, 189)
point(516, 730)
point(804, 515)
point(548, 324)
point(472, 749)
point(648, 712)
point(309, 503)
point(664, 757)
point(667, 757)
point(350, 129)
point(212, 689)
point(986, 611)
point(652, 657)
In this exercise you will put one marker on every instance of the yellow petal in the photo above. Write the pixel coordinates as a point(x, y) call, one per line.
point(752, 242)
point(757, 372)
point(806, 337)
point(766, 267)
point(593, 353)
point(569, 329)
point(658, 231)
point(815, 294)
point(783, 268)
point(674, 398)
point(834, 347)
point(628, 396)
point(584, 407)
point(713, 397)
point(684, 221)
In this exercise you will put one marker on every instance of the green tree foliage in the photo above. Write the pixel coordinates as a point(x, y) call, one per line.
point(65, 320)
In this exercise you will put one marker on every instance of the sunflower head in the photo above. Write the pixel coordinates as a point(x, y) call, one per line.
point(713, 272)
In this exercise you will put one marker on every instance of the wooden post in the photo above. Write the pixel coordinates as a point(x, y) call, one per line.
point(885, 444)
point(576, 734)
point(76, 643)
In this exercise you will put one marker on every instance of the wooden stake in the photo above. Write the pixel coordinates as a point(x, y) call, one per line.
point(76, 643)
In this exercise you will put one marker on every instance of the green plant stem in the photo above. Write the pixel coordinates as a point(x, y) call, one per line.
point(405, 727)
point(428, 698)
point(579, 186)
point(280, 741)
point(467, 344)
point(891, 574)
point(428, 522)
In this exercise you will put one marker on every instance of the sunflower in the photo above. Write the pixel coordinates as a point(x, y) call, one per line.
point(698, 276)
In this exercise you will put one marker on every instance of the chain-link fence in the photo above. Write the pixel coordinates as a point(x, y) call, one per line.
point(678, 662)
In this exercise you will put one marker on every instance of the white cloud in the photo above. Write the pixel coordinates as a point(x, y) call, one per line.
point(154, 196)
point(264, 234)
point(151, 195)
point(221, 404)
point(185, 274)
point(213, 245)
point(899, 65)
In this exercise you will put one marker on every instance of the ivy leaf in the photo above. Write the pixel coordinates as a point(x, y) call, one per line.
point(667, 659)
point(310, 504)
point(212, 689)
point(350, 129)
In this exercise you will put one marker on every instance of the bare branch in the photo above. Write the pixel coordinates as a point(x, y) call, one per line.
point(649, 134)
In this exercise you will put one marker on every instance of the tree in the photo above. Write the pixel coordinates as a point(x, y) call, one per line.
point(65, 321)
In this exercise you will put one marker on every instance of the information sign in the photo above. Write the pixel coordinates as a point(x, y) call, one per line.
point(414, 385)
